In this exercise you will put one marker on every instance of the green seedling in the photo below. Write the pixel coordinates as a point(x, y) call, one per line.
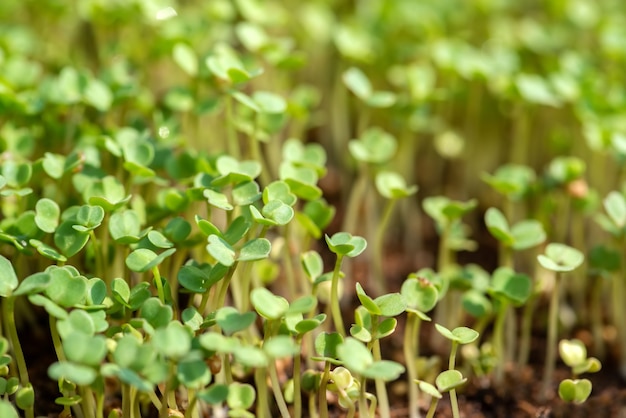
point(453, 379)
point(446, 381)
point(393, 187)
point(370, 328)
point(508, 288)
point(558, 258)
point(342, 244)
point(574, 354)
point(355, 356)
point(25, 395)
point(326, 348)
point(521, 236)
point(604, 263)
point(373, 148)
point(447, 215)
point(421, 297)
point(614, 222)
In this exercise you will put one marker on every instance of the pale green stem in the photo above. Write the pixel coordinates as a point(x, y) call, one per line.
point(233, 141)
point(323, 404)
point(381, 389)
point(454, 404)
point(553, 323)
point(334, 298)
point(262, 406)
point(87, 402)
point(221, 298)
point(56, 338)
point(278, 394)
point(100, 405)
point(126, 405)
point(8, 312)
point(379, 276)
point(297, 396)
point(596, 316)
point(411, 353)
point(288, 265)
point(362, 400)
point(159, 284)
point(97, 250)
point(433, 407)
point(192, 411)
point(498, 341)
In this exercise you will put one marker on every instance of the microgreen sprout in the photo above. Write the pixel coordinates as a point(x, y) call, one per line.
point(453, 378)
point(574, 354)
point(558, 258)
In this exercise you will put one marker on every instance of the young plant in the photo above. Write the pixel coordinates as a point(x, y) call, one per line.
point(421, 297)
point(10, 289)
point(574, 354)
point(446, 381)
point(393, 187)
point(357, 358)
point(558, 258)
point(508, 288)
point(452, 378)
point(452, 232)
point(342, 244)
point(370, 328)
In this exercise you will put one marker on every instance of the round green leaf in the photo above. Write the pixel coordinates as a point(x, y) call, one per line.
point(156, 313)
point(449, 379)
point(279, 190)
point(173, 341)
point(429, 389)
point(384, 370)
point(221, 250)
point(8, 278)
point(240, 395)
point(217, 199)
point(391, 304)
point(527, 234)
point(560, 258)
point(75, 373)
point(615, 206)
point(66, 290)
point(69, 240)
point(374, 146)
point(576, 391)
point(193, 373)
point(214, 394)
point(85, 349)
point(255, 249)
point(281, 346)
point(250, 356)
point(231, 321)
point(47, 215)
point(393, 186)
point(269, 102)
point(278, 211)
point(186, 58)
point(268, 305)
point(25, 397)
point(355, 356)
point(7, 410)
point(419, 293)
point(343, 243)
point(498, 226)
point(357, 82)
point(124, 226)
